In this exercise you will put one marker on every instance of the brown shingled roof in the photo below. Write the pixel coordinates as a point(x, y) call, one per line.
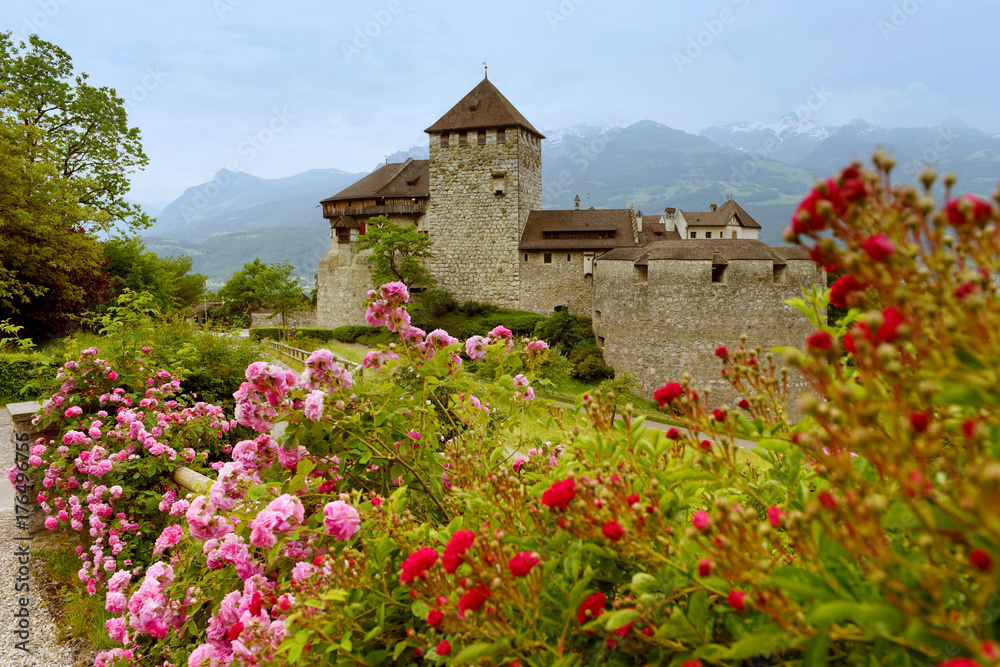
point(399, 179)
point(483, 107)
point(573, 221)
point(720, 217)
point(718, 251)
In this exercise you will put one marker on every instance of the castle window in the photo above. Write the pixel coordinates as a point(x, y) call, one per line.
point(734, 233)
point(444, 141)
point(720, 273)
point(600, 341)
point(501, 136)
point(569, 257)
point(597, 316)
point(526, 257)
point(694, 235)
point(640, 273)
point(481, 137)
point(463, 138)
point(547, 258)
point(780, 274)
point(498, 192)
point(708, 235)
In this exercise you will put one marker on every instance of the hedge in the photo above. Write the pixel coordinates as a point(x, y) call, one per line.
point(18, 371)
point(351, 332)
point(274, 333)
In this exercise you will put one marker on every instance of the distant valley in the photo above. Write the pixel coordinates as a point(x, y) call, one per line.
point(766, 167)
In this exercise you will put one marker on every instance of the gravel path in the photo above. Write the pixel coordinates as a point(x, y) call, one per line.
point(43, 650)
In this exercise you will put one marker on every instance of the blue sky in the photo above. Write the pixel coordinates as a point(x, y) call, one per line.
point(275, 89)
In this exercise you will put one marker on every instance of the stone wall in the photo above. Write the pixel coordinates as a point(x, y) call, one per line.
point(302, 318)
point(343, 283)
point(475, 231)
point(560, 283)
point(671, 320)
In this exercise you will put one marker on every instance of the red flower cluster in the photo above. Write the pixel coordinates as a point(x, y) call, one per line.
point(454, 552)
point(435, 617)
point(878, 247)
point(968, 210)
point(705, 567)
point(521, 563)
point(828, 200)
point(591, 608)
point(668, 393)
point(887, 332)
point(819, 343)
point(722, 352)
point(841, 288)
point(613, 531)
point(559, 494)
point(981, 559)
point(474, 599)
point(736, 600)
point(417, 564)
point(443, 648)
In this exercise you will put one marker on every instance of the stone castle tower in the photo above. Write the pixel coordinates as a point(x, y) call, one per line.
point(485, 177)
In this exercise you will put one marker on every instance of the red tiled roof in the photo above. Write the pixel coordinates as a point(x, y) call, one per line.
point(483, 107)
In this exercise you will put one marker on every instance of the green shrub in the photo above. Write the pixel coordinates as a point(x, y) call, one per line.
point(466, 330)
point(522, 324)
point(351, 332)
point(565, 332)
point(21, 376)
point(474, 308)
point(588, 365)
point(265, 333)
point(437, 302)
point(556, 369)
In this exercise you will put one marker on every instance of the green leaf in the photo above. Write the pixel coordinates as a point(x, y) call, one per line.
point(256, 491)
point(420, 609)
point(477, 652)
point(865, 614)
point(802, 585)
point(643, 583)
point(619, 619)
point(698, 609)
point(818, 650)
point(762, 645)
point(373, 633)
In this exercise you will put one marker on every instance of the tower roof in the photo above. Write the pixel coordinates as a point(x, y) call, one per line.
point(483, 107)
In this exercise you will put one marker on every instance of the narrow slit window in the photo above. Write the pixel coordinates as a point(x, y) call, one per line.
point(547, 258)
point(526, 257)
point(569, 257)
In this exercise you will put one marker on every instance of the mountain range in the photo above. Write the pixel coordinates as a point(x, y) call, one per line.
point(767, 167)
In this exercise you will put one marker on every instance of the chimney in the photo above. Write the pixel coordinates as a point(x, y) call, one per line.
point(670, 212)
point(638, 221)
point(714, 207)
point(577, 202)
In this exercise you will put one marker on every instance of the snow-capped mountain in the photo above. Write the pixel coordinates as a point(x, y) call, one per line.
point(788, 140)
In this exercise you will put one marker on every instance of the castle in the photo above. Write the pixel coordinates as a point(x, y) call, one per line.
point(662, 290)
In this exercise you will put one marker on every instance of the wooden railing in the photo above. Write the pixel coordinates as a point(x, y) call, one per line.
point(302, 355)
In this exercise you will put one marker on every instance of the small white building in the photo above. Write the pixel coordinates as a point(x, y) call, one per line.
point(728, 221)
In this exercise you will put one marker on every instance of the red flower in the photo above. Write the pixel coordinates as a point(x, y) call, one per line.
point(722, 352)
point(234, 631)
point(521, 563)
point(454, 552)
point(827, 500)
point(624, 630)
point(417, 564)
point(919, 421)
point(668, 393)
point(969, 428)
point(819, 342)
point(744, 403)
point(878, 247)
point(474, 599)
point(705, 445)
point(443, 648)
point(964, 290)
point(704, 567)
point(775, 515)
point(736, 600)
point(719, 414)
point(701, 520)
point(959, 662)
point(559, 494)
point(613, 531)
point(888, 331)
point(968, 209)
point(591, 608)
point(852, 185)
point(435, 617)
point(633, 499)
point(816, 209)
point(691, 663)
point(981, 559)
point(674, 434)
point(841, 288)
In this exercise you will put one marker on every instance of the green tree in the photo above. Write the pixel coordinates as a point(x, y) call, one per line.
point(167, 279)
point(397, 253)
point(83, 129)
point(261, 285)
